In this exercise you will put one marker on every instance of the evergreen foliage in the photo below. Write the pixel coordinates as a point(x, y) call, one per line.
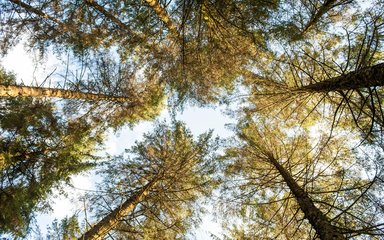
point(293, 67)
point(174, 169)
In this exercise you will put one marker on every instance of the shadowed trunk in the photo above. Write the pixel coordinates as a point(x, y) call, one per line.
point(316, 218)
point(364, 78)
point(24, 91)
point(98, 231)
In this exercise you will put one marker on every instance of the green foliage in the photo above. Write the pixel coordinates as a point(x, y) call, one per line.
point(289, 55)
point(39, 151)
point(326, 169)
point(67, 229)
point(107, 75)
point(6, 78)
point(182, 168)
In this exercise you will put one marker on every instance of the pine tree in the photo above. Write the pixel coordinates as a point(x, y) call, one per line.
point(153, 191)
point(283, 187)
point(67, 229)
point(39, 151)
point(108, 92)
point(327, 72)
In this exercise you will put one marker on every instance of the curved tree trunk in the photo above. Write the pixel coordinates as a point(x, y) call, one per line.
point(98, 231)
point(316, 218)
point(24, 91)
point(364, 78)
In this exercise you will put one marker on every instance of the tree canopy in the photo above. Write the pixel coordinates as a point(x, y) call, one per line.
point(303, 79)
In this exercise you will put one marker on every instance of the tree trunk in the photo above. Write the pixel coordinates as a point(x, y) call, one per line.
point(24, 91)
point(316, 218)
point(162, 14)
point(364, 78)
point(328, 4)
point(98, 231)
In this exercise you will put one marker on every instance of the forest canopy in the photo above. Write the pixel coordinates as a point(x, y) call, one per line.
point(302, 82)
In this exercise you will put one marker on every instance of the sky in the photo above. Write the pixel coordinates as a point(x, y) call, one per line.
point(198, 120)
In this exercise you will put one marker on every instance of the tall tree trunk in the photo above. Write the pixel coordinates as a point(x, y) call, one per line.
point(316, 218)
point(98, 231)
point(163, 16)
point(24, 91)
point(364, 78)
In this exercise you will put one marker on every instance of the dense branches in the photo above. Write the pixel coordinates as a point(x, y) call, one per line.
point(38, 152)
point(310, 71)
point(153, 189)
point(278, 180)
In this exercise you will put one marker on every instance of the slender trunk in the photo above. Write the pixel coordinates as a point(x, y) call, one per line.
point(162, 14)
point(23, 91)
point(38, 12)
point(364, 78)
point(316, 218)
point(328, 4)
point(98, 231)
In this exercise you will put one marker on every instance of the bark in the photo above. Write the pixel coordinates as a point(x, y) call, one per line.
point(98, 231)
point(162, 14)
point(316, 218)
point(24, 91)
point(364, 78)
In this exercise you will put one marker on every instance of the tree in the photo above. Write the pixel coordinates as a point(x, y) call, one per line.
point(154, 189)
point(67, 229)
point(342, 74)
point(278, 179)
point(25, 91)
point(318, 11)
point(127, 26)
point(198, 59)
point(210, 58)
point(78, 24)
point(103, 86)
point(39, 151)
point(301, 61)
point(86, 28)
point(163, 16)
